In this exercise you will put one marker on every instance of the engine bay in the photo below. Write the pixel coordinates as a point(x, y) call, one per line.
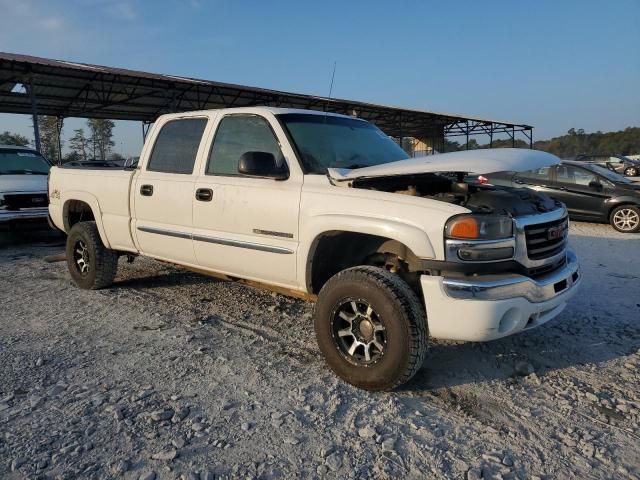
point(458, 189)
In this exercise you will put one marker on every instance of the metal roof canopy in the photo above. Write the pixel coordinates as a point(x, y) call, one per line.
point(67, 89)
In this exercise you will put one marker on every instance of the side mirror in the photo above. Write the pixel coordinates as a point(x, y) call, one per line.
point(595, 185)
point(262, 164)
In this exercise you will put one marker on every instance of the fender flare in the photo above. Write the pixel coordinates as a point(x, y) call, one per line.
point(413, 237)
point(90, 200)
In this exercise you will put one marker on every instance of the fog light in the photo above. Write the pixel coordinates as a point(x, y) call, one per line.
point(485, 254)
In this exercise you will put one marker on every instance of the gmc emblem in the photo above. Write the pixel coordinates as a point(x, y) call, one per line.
point(554, 233)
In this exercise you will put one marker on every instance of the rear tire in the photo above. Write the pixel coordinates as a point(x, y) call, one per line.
point(625, 219)
point(371, 328)
point(631, 172)
point(92, 266)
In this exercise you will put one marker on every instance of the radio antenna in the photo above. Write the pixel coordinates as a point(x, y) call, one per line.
point(333, 76)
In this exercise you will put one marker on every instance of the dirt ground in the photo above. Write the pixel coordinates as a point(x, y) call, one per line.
point(169, 374)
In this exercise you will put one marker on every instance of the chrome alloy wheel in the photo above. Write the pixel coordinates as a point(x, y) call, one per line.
point(626, 219)
point(358, 332)
point(81, 257)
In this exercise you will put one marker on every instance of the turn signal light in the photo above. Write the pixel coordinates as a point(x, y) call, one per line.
point(464, 227)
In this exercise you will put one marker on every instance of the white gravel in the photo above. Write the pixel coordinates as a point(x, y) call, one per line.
point(170, 374)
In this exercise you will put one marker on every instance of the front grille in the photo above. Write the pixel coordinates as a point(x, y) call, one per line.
point(545, 240)
point(25, 200)
point(544, 269)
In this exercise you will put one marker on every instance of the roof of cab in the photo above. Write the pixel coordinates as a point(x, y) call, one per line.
point(257, 109)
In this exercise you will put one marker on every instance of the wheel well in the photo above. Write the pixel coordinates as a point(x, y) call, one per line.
point(335, 251)
point(76, 211)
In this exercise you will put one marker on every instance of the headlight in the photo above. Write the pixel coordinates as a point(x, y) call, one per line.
point(3, 204)
point(479, 227)
point(479, 238)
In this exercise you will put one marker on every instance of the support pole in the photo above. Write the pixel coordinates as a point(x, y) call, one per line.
point(467, 130)
point(34, 114)
point(513, 137)
point(531, 138)
point(491, 136)
point(59, 128)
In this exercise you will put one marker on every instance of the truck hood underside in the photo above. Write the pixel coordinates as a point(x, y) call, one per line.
point(470, 161)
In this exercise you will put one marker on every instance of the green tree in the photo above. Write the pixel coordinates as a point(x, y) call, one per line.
point(101, 137)
point(8, 138)
point(79, 144)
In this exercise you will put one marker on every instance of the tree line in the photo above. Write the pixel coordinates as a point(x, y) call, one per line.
point(95, 143)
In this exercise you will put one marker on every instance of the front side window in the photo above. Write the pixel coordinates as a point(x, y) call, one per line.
point(22, 162)
point(575, 175)
point(237, 135)
point(326, 141)
point(177, 145)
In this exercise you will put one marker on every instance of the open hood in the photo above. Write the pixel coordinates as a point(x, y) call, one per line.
point(469, 161)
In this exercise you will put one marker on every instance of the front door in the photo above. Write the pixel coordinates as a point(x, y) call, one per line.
point(246, 226)
point(163, 192)
point(581, 191)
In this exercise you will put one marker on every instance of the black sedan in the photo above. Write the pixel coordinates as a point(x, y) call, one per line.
point(590, 191)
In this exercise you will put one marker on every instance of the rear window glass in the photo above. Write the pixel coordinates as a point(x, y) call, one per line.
point(177, 145)
point(22, 162)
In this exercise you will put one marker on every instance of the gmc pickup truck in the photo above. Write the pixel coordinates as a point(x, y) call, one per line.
point(326, 207)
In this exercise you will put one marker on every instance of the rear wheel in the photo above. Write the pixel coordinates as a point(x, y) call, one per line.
point(370, 328)
point(91, 265)
point(626, 218)
point(631, 172)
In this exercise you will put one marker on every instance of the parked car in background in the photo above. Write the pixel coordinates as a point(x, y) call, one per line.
point(23, 185)
point(618, 163)
point(590, 191)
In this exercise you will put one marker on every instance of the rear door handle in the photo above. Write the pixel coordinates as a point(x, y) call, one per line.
point(204, 194)
point(146, 190)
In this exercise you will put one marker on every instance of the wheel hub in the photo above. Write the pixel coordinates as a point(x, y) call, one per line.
point(81, 257)
point(358, 332)
point(626, 219)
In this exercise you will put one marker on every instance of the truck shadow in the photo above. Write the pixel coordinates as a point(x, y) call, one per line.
point(173, 278)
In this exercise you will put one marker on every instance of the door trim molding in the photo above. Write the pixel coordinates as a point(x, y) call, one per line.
point(220, 241)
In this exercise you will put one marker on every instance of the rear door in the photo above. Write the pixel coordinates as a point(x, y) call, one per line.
point(247, 226)
point(163, 191)
point(576, 188)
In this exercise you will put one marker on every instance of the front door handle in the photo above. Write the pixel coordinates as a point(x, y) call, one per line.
point(146, 190)
point(204, 194)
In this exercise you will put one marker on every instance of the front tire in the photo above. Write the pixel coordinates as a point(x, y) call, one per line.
point(626, 219)
point(370, 328)
point(92, 266)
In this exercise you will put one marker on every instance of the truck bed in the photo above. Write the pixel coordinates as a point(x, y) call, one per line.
point(105, 189)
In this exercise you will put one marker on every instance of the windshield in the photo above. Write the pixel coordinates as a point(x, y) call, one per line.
point(336, 142)
point(609, 174)
point(22, 162)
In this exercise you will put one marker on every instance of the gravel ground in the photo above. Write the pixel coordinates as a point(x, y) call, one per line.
point(170, 374)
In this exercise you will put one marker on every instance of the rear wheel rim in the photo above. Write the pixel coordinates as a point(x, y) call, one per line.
point(358, 332)
point(81, 257)
point(626, 219)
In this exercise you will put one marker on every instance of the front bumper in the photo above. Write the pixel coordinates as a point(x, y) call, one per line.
point(493, 306)
point(24, 214)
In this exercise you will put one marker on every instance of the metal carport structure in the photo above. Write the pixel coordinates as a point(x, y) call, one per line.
point(42, 86)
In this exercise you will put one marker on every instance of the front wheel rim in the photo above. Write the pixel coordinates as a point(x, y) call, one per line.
point(358, 332)
point(81, 257)
point(626, 219)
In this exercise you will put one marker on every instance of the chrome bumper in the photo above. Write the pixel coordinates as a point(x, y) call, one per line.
point(500, 287)
point(25, 214)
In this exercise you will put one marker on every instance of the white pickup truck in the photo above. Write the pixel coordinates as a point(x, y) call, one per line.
point(327, 207)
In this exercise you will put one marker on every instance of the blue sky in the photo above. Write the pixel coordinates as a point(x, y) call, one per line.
point(551, 64)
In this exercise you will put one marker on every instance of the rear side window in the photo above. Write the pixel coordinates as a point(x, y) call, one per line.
point(237, 135)
point(177, 145)
point(542, 174)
